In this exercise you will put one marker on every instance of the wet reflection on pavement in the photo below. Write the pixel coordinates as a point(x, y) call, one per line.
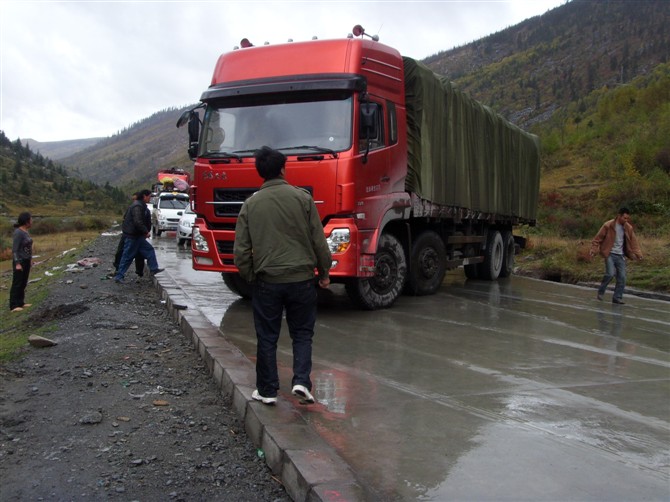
point(517, 389)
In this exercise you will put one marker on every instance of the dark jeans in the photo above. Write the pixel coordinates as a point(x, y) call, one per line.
point(139, 261)
point(269, 301)
point(131, 248)
point(17, 293)
point(615, 266)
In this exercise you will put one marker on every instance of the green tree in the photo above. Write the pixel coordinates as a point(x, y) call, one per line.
point(25, 188)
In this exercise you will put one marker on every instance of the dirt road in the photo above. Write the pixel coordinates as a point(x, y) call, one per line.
point(121, 408)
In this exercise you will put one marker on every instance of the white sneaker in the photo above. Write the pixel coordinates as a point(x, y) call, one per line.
point(265, 400)
point(305, 396)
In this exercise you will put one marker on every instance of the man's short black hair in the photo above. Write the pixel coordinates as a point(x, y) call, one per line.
point(269, 162)
point(143, 193)
point(624, 210)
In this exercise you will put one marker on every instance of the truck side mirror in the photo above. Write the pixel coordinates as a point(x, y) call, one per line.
point(193, 135)
point(369, 121)
point(191, 117)
point(368, 129)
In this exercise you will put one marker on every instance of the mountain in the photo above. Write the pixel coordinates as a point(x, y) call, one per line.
point(132, 157)
point(56, 150)
point(529, 71)
point(562, 75)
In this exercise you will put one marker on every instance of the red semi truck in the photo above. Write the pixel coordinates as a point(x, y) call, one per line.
point(411, 177)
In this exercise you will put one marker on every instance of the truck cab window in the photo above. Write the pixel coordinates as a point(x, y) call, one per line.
point(393, 123)
point(377, 134)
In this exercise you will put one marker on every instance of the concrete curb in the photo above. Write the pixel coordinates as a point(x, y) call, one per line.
point(308, 467)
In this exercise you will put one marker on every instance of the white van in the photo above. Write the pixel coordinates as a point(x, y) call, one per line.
point(168, 208)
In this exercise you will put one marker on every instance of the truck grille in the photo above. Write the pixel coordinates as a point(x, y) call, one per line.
point(228, 202)
point(225, 247)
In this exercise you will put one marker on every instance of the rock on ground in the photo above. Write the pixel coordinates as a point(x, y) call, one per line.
point(121, 408)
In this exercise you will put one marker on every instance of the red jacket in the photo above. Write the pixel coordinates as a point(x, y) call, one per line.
point(604, 241)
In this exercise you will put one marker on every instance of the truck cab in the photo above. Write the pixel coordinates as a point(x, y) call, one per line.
point(336, 115)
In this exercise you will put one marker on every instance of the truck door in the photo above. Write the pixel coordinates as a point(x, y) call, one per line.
point(374, 173)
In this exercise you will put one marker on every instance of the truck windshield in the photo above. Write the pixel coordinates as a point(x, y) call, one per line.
point(296, 124)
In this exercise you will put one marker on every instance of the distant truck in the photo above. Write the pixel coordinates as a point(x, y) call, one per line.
point(411, 176)
point(173, 179)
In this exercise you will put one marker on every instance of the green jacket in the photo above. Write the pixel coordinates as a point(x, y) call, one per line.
point(279, 236)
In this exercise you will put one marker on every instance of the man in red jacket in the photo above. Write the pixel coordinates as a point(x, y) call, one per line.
point(615, 241)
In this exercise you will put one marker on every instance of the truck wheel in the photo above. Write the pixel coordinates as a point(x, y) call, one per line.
point(509, 250)
point(237, 285)
point(427, 264)
point(493, 256)
point(381, 290)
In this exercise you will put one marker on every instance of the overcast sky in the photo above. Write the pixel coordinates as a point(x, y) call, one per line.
point(82, 69)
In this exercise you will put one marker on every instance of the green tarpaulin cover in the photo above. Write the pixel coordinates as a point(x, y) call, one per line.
point(462, 154)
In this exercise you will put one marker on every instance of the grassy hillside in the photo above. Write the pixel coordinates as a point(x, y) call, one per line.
point(36, 181)
point(609, 149)
point(57, 200)
point(533, 70)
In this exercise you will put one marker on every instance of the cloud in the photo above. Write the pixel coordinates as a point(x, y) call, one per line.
point(72, 70)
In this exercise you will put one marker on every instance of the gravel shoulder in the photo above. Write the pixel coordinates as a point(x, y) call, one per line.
point(122, 407)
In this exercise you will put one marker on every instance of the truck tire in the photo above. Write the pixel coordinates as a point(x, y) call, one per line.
point(493, 256)
point(381, 290)
point(509, 250)
point(237, 285)
point(428, 264)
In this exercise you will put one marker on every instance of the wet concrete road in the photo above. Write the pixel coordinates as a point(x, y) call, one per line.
point(511, 390)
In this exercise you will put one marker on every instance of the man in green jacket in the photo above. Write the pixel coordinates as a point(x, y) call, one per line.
point(615, 241)
point(279, 242)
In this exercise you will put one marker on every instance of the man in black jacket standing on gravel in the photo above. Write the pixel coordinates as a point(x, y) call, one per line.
point(136, 229)
point(279, 242)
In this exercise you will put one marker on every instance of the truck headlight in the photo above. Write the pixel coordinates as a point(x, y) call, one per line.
point(338, 240)
point(199, 242)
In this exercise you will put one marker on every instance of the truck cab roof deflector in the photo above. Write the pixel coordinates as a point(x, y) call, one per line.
point(292, 83)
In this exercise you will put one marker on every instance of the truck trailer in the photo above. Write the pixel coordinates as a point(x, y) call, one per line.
point(411, 176)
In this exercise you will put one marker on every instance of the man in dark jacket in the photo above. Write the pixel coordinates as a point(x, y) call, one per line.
point(135, 230)
point(139, 261)
point(615, 241)
point(279, 242)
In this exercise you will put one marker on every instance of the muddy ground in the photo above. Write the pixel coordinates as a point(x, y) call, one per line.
point(121, 408)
